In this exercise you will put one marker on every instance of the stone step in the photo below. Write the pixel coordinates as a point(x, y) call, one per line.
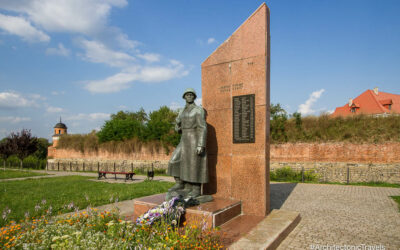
point(268, 233)
point(238, 227)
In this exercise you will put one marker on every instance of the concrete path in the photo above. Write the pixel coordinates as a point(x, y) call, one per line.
point(336, 215)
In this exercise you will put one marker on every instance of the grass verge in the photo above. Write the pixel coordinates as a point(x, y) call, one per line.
point(9, 174)
point(29, 197)
point(396, 199)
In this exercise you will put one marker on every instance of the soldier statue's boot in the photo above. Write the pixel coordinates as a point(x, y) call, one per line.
point(178, 185)
point(196, 191)
point(188, 187)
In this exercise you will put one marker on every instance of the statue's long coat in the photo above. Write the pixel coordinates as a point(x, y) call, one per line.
point(185, 163)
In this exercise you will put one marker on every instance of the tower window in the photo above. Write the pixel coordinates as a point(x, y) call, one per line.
point(353, 110)
point(59, 131)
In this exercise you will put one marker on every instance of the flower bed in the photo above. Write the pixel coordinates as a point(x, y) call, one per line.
point(92, 229)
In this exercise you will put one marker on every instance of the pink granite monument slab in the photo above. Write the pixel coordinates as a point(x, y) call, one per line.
point(236, 96)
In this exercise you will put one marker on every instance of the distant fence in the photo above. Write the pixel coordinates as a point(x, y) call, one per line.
point(40, 164)
point(349, 173)
point(94, 166)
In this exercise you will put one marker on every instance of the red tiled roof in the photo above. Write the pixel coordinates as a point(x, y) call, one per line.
point(386, 102)
point(370, 103)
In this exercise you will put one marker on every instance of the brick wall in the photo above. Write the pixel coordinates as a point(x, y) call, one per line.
point(144, 155)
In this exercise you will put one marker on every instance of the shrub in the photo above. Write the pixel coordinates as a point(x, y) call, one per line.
point(33, 162)
point(354, 129)
point(13, 161)
point(290, 175)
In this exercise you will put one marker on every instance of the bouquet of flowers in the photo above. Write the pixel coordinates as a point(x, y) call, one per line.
point(170, 211)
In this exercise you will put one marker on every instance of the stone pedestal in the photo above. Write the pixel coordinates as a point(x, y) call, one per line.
point(239, 167)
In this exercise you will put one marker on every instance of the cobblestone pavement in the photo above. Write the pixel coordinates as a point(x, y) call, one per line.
point(339, 215)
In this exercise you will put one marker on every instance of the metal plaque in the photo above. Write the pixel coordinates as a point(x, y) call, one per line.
point(243, 119)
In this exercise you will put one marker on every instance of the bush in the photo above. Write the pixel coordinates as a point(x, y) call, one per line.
point(79, 142)
point(13, 161)
point(290, 175)
point(33, 162)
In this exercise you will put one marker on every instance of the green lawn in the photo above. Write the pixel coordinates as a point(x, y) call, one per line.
point(8, 174)
point(22, 196)
point(396, 199)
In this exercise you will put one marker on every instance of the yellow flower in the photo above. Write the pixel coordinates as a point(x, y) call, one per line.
point(166, 238)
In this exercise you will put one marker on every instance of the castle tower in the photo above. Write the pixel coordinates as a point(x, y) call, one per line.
point(59, 129)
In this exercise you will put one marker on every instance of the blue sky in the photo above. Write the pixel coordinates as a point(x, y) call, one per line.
point(84, 60)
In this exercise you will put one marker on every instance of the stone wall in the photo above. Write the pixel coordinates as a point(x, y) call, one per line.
point(346, 172)
point(341, 162)
point(336, 152)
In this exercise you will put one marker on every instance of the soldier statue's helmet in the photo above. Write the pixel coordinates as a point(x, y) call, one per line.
point(189, 90)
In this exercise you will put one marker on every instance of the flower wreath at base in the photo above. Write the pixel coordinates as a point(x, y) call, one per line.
point(169, 211)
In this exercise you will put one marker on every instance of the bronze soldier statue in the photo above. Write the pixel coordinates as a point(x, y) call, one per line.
point(188, 163)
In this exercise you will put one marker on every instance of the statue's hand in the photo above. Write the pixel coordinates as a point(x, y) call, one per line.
point(200, 150)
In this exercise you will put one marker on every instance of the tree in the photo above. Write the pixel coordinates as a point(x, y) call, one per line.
point(161, 127)
point(278, 121)
point(140, 116)
point(42, 145)
point(299, 122)
point(119, 130)
point(124, 125)
point(21, 144)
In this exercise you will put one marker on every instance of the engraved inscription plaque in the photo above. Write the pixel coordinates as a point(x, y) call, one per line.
point(243, 119)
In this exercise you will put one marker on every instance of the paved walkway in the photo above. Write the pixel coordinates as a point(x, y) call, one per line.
point(339, 215)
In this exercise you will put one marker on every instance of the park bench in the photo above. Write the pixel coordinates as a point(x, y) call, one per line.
point(128, 175)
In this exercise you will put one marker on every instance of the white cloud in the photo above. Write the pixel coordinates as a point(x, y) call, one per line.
point(122, 107)
point(16, 100)
point(305, 108)
point(150, 57)
point(59, 51)
point(123, 79)
point(23, 28)
point(125, 42)
point(100, 42)
point(175, 106)
point(97, 52)
point(88, 117)
point(14, 119)
point(58, 92)
point(198, 101)
point(211, 40)
point(51, 109)
point(111, 84)
point(76, 16)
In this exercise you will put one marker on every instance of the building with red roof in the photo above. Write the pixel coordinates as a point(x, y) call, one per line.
point(371, 102)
